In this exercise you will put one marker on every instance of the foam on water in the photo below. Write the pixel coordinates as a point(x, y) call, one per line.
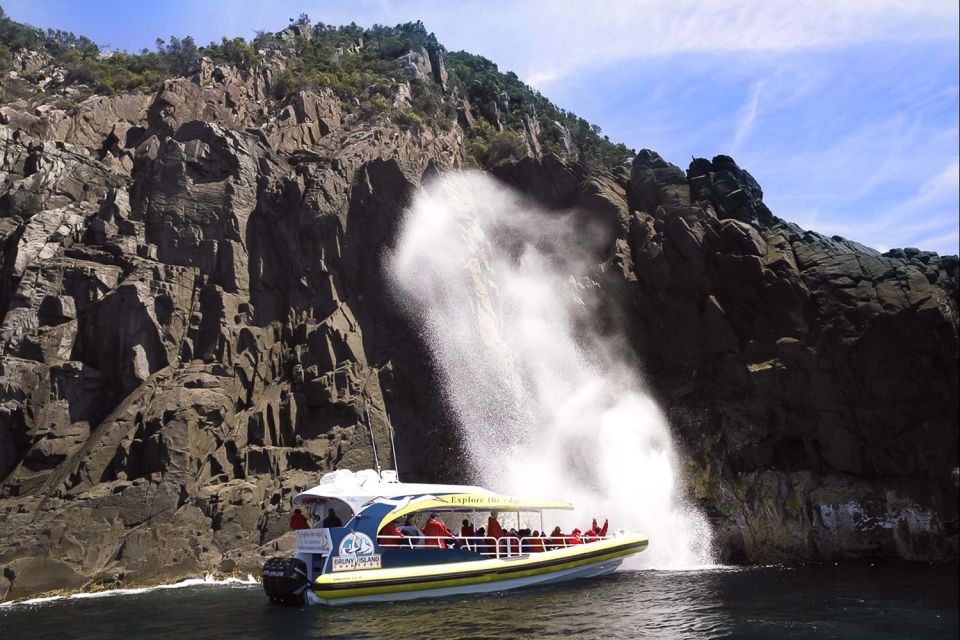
point(207, 580)
point(546, 403)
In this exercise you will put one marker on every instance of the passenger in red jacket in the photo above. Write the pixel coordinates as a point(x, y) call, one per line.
point(435, 532)
point(467, 532)
point(595, 532)
point(535, 543)
point(298, 520)
point(602, 531)
point(390, 536)
point(558, 539)
point(494, 530)
point(574, 537)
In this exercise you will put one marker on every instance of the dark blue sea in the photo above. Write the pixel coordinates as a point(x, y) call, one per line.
point(857, 601)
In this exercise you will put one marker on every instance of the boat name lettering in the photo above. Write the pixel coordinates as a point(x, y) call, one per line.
point(478, 500)
point(355, 563)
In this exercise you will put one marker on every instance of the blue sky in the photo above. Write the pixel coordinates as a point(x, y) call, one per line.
point(846, 111)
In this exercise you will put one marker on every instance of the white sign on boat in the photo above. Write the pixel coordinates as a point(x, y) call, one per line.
point(314, 541)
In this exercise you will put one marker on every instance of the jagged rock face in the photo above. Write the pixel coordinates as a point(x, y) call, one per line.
point(196, 323)
point(424, 65)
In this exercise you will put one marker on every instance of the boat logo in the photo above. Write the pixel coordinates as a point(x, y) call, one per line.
point(356, 544)
point(355, 553)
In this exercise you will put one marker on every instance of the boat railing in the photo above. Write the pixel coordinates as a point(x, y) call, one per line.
point(539, 544)
point(505, 547)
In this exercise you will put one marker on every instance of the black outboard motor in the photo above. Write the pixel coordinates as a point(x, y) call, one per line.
point(285, 581)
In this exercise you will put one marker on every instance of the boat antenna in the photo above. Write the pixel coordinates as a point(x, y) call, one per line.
point(366, 414)
point(393, 446)
point(373, 441)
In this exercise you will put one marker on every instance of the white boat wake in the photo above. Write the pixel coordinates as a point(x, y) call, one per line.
point(207, 580)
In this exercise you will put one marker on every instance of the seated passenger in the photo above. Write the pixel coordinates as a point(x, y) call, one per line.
point(298, 520)
point(332, 521)
point(524, 542)
point(411, 531)
point(574, 537)
point(436, 531)
point(590, 535)
point(467, 532)
point(482, 545)
point(558, 539)
point(534, 544)
point(494, 530)
point(390, 536)
point(509, 542)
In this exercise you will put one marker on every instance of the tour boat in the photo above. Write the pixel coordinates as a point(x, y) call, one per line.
point(358, 562)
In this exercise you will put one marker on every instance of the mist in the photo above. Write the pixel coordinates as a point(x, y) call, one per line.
point(545, 403)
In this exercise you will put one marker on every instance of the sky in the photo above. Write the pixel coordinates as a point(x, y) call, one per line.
point(846, 111)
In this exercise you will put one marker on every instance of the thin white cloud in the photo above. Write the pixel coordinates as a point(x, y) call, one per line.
point(941, 186)
point(949, 239)
point(748, 118)
point(546, 40)
point(927, 219)
point(541, 78)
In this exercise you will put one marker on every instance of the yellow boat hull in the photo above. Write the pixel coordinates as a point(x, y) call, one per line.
point(480, 576)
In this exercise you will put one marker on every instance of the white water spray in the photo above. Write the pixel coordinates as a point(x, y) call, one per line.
point(546, 405)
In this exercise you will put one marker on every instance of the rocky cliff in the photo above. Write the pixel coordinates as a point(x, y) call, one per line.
point(811, 380)
point(196, 324)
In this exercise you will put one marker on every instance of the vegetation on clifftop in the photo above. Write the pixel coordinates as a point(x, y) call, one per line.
point(362, 66)
point(482, 83)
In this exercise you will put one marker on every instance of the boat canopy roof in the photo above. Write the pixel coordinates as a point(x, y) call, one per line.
point(357, 489)
point(381, 498)
point(486, 501)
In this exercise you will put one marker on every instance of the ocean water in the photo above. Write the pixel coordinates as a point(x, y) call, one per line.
point(852, 602)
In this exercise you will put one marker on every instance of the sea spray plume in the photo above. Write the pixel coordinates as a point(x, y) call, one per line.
point(545, 404)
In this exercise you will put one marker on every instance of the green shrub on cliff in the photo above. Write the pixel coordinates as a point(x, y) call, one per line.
point(409, 119)
point(481, 81)
point(487, 147)
point(373, 107)
point(237, 52)
point(435, 107)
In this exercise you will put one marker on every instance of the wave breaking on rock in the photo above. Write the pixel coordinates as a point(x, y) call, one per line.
point(547, 400)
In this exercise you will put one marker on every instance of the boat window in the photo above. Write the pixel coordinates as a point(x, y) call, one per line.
point(318, 510)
